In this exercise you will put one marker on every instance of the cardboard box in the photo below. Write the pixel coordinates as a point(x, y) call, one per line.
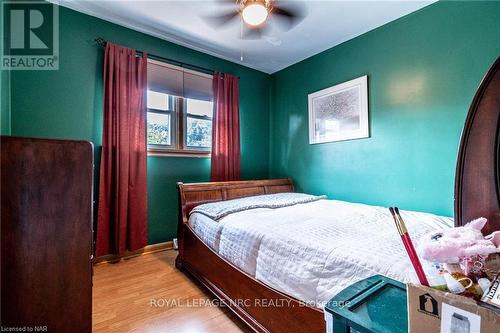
point(431, 310)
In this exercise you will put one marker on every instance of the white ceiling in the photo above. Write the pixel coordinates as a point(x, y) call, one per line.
point(328, 23)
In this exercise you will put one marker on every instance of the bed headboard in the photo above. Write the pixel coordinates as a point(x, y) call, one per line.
point(191, 195)
point(477, 184)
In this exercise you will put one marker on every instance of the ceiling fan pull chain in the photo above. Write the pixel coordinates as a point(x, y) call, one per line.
point(241, 38)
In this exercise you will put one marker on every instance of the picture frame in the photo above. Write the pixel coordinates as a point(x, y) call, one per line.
point(340, 112)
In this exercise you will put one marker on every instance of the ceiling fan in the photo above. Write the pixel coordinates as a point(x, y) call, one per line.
point(257, 15)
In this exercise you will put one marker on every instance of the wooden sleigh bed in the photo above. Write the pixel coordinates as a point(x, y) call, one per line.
point(477, 193)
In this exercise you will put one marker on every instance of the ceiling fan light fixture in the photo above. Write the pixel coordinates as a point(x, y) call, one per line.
point(255, 13)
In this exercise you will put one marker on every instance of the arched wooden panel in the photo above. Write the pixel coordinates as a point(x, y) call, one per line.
point(477, 184)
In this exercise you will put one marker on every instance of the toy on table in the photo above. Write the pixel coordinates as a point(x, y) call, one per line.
point(451, 245)
point(468, 260)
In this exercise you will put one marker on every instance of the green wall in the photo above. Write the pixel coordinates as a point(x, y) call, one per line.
point(423, 72)
point(5, 103)
point(68, 104)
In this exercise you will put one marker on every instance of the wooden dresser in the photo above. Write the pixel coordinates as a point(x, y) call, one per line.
point(46, 234)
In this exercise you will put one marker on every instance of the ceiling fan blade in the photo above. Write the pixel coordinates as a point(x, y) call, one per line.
point(289, 16)
point(227, 4)
point(251, 33)
point(254, 33)
point(220, 20)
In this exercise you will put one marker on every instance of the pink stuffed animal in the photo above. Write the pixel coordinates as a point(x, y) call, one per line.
point(452, 245)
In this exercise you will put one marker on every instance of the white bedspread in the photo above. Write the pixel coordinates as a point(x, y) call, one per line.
point(314, 250)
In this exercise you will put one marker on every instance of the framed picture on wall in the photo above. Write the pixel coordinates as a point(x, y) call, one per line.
point(340, 112)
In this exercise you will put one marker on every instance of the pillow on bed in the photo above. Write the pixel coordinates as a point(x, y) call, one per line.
point(220, 209)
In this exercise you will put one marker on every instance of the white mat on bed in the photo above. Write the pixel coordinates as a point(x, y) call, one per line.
point(312, 251)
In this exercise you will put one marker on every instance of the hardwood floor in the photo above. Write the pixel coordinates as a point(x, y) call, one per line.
point(148, 294)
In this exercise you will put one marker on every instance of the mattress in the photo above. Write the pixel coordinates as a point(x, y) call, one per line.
point(314, 250)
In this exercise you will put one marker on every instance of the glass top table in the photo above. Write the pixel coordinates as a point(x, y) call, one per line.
point(376, 304)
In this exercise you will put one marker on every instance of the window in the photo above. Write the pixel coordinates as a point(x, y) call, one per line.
point(198, 123)
point(179, 110)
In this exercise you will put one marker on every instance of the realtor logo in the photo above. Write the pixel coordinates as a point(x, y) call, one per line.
point(428, 305)
point(30, 38)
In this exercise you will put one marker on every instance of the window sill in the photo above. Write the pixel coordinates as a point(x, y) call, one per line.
point(178, 153)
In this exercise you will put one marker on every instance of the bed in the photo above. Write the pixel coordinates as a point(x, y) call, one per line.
point(311, 250)
point(264, 274)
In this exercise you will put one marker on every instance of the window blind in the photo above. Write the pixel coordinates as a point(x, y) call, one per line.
point(178, 81)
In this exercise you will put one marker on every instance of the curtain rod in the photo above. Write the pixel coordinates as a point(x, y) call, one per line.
point(102, 42)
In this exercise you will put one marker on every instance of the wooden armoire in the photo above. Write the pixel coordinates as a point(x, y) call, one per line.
point(46, 234)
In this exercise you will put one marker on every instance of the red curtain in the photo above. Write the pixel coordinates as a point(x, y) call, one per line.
point(122, 211)
point(226, 129)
